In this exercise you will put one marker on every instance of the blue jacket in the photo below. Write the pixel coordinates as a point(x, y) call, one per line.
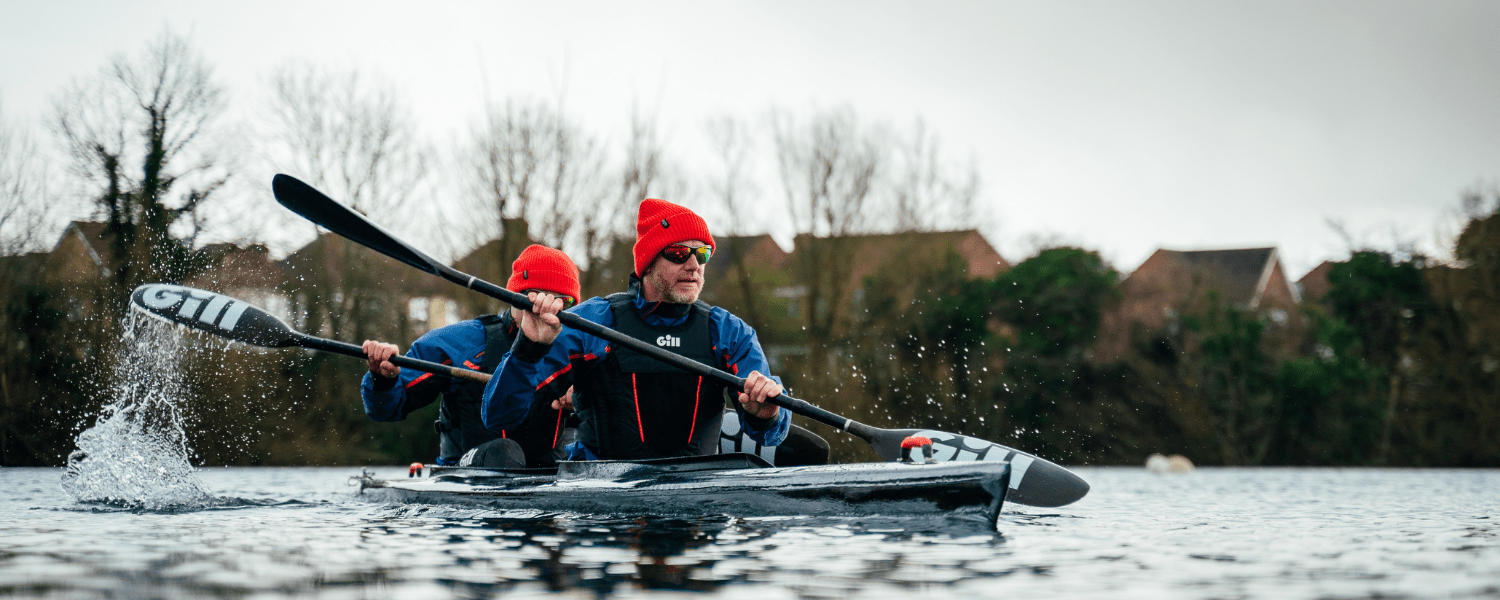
point(520, 379)
point(388, 400)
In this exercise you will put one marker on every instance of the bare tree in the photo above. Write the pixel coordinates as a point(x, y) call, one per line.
point(505, 155)
point(140, 138)
point(529, 165)
point(348, 133)
point(928, 193)
point(829, 165)
point(734, 188)
point(23, 189)
point(353, 136)
point(644, 172)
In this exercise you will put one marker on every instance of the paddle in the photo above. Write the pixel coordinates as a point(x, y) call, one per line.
point(1034, 481)
point(242, 322)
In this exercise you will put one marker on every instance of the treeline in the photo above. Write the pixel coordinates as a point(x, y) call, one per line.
point(1395, 366)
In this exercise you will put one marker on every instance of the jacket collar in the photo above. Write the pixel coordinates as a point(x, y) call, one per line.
point(657, 313)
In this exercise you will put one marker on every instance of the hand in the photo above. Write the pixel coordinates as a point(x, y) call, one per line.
point(380, 358)
point(540, 324)
point(757, 388)
point(565, 402)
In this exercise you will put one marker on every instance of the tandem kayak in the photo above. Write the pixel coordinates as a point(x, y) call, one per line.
point(735, 484)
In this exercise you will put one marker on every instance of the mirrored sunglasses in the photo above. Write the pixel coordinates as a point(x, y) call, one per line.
point(678, 253)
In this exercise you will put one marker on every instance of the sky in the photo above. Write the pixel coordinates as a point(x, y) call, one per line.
point(1122, 126)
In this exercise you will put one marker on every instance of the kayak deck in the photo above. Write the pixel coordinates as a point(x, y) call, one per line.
point(735, 484)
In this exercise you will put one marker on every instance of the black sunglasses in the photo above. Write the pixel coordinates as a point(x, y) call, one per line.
point(678, 253)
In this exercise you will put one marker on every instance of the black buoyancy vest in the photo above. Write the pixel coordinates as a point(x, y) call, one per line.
point(460, 424)
point(633, 406)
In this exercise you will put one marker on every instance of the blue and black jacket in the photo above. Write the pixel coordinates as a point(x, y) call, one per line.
point(478, 344)
point(629, 405)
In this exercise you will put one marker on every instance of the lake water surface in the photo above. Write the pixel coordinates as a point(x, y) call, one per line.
point(1215, 533)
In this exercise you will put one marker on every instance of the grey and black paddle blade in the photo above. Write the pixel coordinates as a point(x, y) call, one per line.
point(214, 313)
point(314, 206)
point(1033, 481)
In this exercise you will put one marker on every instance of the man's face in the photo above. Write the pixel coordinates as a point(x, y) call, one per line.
point(672, 282)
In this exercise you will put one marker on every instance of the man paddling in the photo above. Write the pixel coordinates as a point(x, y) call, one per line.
point(632, 406)
point(391, 393)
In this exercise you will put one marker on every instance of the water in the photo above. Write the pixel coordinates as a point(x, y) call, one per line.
point(131, 518)
point(1215, 533)
point(137, 454)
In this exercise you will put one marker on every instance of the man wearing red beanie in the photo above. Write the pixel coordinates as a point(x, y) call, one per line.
point(390, 393)
point(629, 405)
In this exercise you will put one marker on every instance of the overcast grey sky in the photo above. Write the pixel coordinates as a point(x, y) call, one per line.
point(1122, 126)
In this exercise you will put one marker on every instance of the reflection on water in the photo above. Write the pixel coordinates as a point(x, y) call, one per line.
point(602, 554)
point(1216, 533)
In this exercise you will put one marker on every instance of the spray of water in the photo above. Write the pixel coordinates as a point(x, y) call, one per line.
point(136, 455)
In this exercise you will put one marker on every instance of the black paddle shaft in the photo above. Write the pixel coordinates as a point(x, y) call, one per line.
point(347, 349)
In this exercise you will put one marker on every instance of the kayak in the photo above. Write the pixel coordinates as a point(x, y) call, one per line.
point(736, 484)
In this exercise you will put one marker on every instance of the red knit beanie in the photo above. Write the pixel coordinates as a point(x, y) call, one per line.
point(661, 224)
point(542, 268)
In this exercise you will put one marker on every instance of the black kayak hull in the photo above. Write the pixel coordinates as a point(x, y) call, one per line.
point(739, 485)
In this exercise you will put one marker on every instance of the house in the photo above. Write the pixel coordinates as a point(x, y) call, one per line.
point(338, 288)
point(491, 262)
point(828, 277)
point(1155, 296)
point(1314, 285)
point(84, 256)
point(82, 253)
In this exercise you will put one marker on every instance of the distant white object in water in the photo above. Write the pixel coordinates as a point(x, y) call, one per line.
point(1175, 463)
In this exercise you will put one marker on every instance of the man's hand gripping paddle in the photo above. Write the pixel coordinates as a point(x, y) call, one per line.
point(1033, 481)
point(242, 322)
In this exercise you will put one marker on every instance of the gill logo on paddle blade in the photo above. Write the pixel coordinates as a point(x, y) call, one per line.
point(162, 297)
point(668, 341)
point(948, 446)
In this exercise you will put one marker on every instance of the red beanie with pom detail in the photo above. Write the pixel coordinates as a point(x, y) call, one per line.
point(661, 224)
point(542, 268)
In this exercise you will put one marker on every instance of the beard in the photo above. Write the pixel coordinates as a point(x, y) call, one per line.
point(667, 289)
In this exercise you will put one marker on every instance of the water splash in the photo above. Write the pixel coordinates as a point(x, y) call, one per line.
point(136, 454)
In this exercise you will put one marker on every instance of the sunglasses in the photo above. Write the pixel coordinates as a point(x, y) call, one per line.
point(568, 301)
point(678, 253)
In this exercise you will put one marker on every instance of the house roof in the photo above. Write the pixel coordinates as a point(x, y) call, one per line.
point(329, 257)
point(1315, 283)
point(492, 259)
point(732, 249)
point(876, 250)
point(91, 233)
point(1240, 275)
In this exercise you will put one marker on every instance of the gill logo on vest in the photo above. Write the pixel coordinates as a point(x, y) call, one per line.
point(668, 341)
point(162, 297)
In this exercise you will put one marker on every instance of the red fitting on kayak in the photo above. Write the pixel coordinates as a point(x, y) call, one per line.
point(916, 441)
point(415, 470)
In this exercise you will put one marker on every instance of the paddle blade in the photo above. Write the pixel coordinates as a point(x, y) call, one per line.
point(302, 199)
point(214, 313)
point(1033, 481)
